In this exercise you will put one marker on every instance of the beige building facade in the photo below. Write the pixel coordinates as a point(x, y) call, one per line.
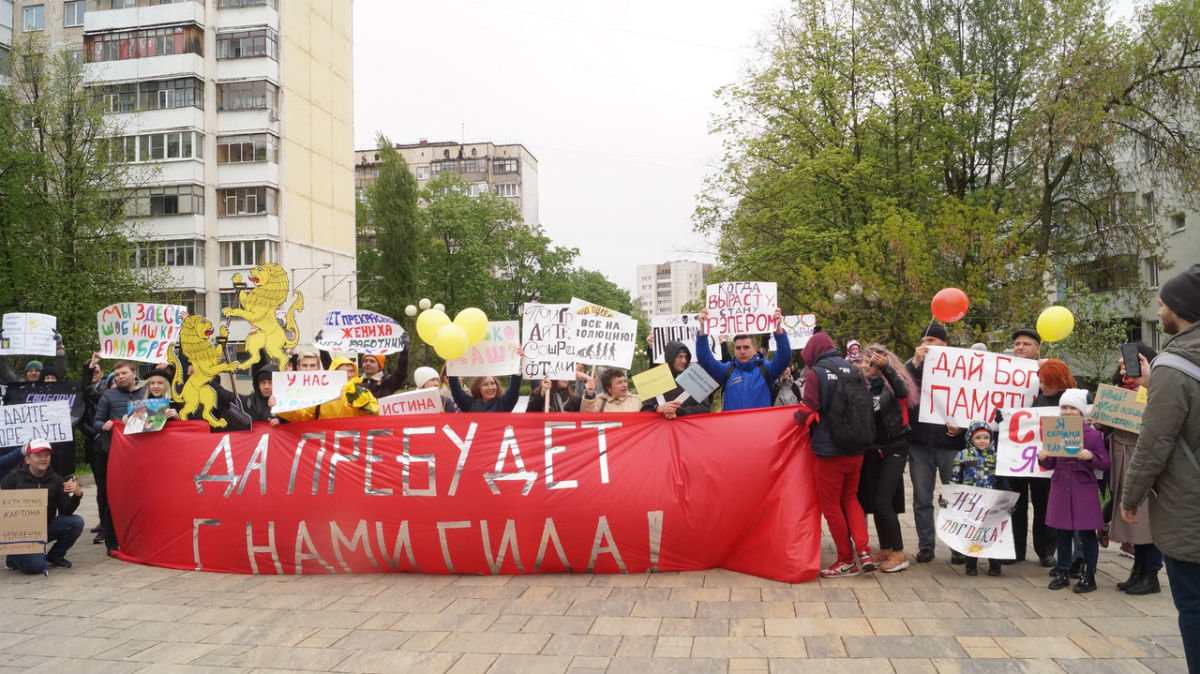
point(236, 117)
point(665, 288)
point(509, 171)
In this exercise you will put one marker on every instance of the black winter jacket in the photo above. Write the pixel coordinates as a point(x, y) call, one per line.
point(60, 502)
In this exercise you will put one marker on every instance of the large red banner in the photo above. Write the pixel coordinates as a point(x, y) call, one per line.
point(473, 493)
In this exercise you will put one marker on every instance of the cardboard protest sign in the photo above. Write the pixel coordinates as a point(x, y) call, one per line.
point(50, 421)
point(799, 329)
point(740, 308)
point(1018, 440)
point(1118, 408)
point(23, 521)
point(139, 331)
point(421, 401)
point(362, 332)
point(546, 342)
point(1062, 436)
point(28, 334)
point(602, 336)
point(297, 390)
point(962, 385)
point(146, 415)
point(669, 328)
point(498, 353)
point(698, 384)
point(976, 521)
point(655, 381)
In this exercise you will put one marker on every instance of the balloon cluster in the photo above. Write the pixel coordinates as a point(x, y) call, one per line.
point(449, 339)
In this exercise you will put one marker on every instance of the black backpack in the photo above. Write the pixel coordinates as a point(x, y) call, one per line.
point(850, 417)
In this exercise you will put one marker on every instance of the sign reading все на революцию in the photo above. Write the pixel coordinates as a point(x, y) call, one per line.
point(361, 332)
point(602, 336)
point(964, 385)
point(740, 308)
point(139, 330)
point(976, 521)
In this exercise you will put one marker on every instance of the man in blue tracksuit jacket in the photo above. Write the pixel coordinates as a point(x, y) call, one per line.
point(746, 386)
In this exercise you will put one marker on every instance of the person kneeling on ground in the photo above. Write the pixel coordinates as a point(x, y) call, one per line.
point(64, 496)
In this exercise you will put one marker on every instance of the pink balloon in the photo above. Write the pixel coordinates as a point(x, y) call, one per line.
point(949, 305)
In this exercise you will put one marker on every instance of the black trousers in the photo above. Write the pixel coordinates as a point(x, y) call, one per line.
point(1045, 539)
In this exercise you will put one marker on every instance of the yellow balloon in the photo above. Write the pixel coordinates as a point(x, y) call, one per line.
point(474, 322)
point(429, 322)
point(450, 342)
point(1055, 323)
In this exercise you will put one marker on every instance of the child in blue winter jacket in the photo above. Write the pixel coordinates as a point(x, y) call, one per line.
point(975, 466)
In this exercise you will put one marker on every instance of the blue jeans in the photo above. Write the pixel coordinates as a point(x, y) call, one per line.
point(64, 530)
point(924, 466)
point(1185, 590)
point(1088, 549)
point(1149, 556)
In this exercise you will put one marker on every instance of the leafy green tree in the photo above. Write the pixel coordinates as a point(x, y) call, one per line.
point(902, 146)
point(65, 247)
point(389, 224)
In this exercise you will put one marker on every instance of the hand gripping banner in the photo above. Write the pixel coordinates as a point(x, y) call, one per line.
point(473, 493)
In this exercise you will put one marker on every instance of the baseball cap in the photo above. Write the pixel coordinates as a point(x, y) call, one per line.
point(36, 445)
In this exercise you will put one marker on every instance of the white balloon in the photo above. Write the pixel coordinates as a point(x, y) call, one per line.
point(439, 306)
point(424, 303)
point(410, 310)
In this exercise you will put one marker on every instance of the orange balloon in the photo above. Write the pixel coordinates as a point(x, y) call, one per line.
point(949, 305)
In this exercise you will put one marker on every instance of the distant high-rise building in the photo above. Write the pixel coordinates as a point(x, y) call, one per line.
point(665, 288)
point(508, 171)
point(241, 112)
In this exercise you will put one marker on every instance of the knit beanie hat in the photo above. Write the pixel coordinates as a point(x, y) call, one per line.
point(1182, 294)
point(33, 365)
point(423, 374)
point(935, 330)
point(377, 359)
point(977, 427)
point(1077, 398)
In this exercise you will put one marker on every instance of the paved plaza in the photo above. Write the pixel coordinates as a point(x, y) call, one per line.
point(108, 616)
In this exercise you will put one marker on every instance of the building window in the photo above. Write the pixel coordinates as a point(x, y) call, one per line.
point(248, 148)
point(248, 253)
point(166, 200)
point(1155, 337)
point(35, 17)
point(246, 3)
point(73, 13)
point(172, 253)
point(75, 58)
point(1178, 222)
point(506, 190)
point(249, 95)
point(123, 4)
point(476, 189)
point(134, 44)
point(237, 201)
point(159, 146)
point(460, 166)
point(505, 166)
point(1148, 204)
point(1151, 266)
point(422, 173)
point(246, 44)
point(151, 95)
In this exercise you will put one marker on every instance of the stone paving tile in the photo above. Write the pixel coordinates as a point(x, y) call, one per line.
point(308, 659)
point(804, 627)
point(745, 609)
point(425, 641)
point(694, 627)
point(1040, 647)
point(903, 647)
point(576, 594)
point(171, 668)
point(472, 663)
point(623, 665)
point(261, 635)
point(390, 662)
point(839, 609)
point(370, 640)
point(530, 664)
point(636, 646)
point(913, 666)
point(890, 627)
point(418, 622)
point(1119, 647)
point(84, 666)
point(664, 609)
point(558, 624)
point(673, 647)
point(488, 642)
point(600, 607)
point(912, 609)
point(582, 644)
point(172, 653)
point(509, 623)
point(749, 647)
point(692, 594)
point(1104, 667)
point(1166, 666)
point(64, 647)
point(959, 627)
point(626, 626)
point(829, 666)
point(588, 664)
point(998, 666)
point(825, 647)
point(1053, 627)
point(1144, 626)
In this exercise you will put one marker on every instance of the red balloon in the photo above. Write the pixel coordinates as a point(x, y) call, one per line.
point(949, 305)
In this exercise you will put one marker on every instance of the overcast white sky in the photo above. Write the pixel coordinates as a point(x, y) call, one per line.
point(613, 98)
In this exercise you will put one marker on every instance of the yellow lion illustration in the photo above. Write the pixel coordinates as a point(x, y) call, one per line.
point(258, 305)
point(205, 360)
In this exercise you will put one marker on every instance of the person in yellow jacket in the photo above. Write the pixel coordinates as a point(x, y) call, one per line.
point(355, 400)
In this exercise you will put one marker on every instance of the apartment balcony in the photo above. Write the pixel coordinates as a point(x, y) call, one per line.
point(248, 227)
point(149, 68)
point(252, 68)
point(248, 174)
point(144, 121)
point(104, 20)
point(167, 226)
point(185, 278)
point(247, 121)
point(168, 172)
point(244, 17)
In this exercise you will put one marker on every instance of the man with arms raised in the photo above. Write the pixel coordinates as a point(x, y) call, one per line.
point(747, 380)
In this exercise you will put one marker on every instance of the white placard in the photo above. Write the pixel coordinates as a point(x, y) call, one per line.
point(50, 421)
point(799, 329)
point(499, 353)
point(976, 521)
point(141, 331)
point(963, 385)
point(1018, 440)
point(28, 334)
point(297, 390)
point(421, 401)
point(546, 344)
point(741, 308)
point(602, 336)
point(669, 328)
point(361, 332)
point(697, 382)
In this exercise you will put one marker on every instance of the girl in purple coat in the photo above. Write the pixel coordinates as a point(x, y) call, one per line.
point(1074, 505)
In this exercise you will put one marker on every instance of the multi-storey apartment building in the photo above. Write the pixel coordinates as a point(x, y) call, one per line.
point(236, 116)
point(508, 171)
point(665, 288)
